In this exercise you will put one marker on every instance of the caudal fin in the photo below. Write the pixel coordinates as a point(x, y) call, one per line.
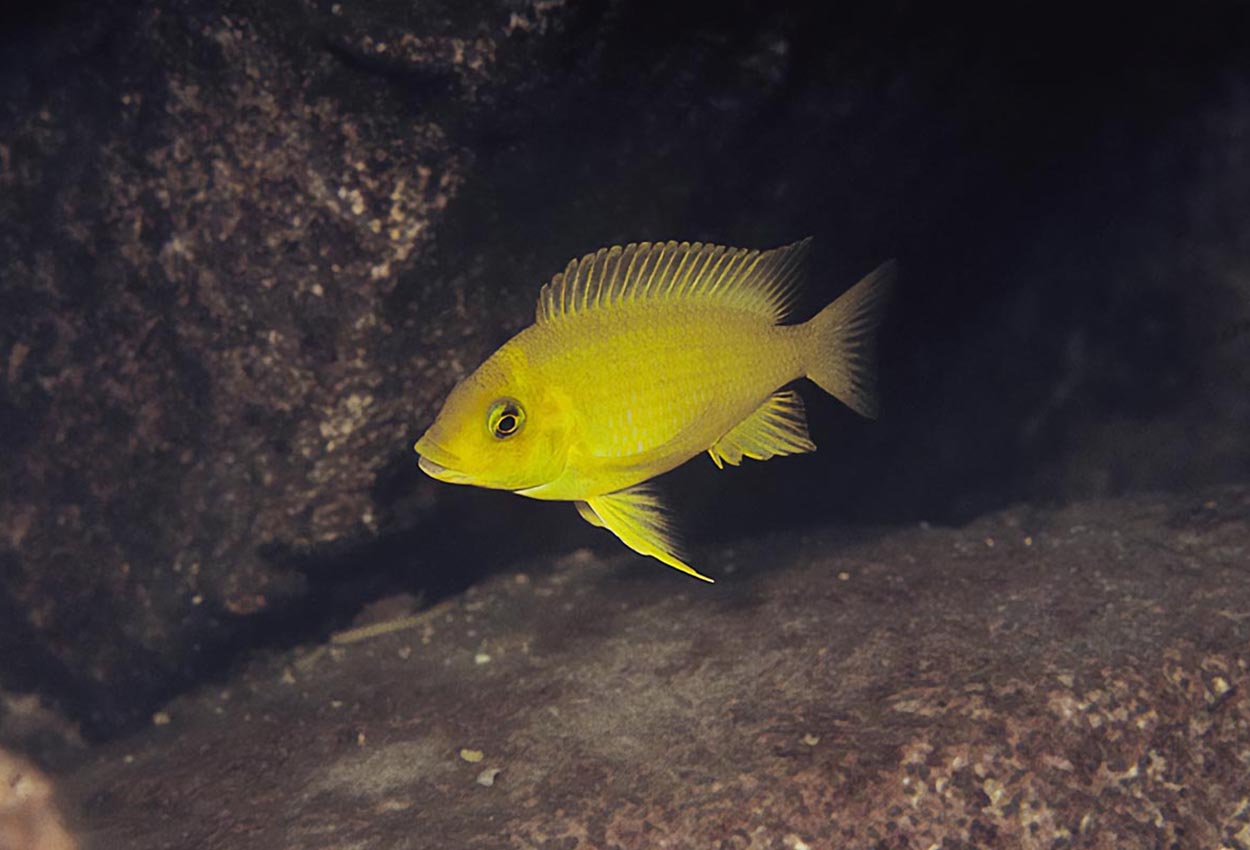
point(841, 342)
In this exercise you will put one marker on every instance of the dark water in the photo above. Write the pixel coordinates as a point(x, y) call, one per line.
point(1063, 191)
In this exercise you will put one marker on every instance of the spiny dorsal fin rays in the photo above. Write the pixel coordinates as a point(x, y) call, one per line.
point(756, 281)
point(611, 270)
point(711, 260)
point(659, 270)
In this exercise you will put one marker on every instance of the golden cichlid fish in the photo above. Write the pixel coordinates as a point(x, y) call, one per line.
point(641, 358)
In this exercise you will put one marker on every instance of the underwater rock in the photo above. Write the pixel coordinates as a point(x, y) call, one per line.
point(246, 248)
point(29, 816)
point(245, 251)
point(208, 359)
point(1039, 678)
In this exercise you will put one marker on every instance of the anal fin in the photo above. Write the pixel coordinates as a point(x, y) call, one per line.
point(777, 427)
point(637, 517)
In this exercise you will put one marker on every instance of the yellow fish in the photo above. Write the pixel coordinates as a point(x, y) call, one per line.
point(639, 359)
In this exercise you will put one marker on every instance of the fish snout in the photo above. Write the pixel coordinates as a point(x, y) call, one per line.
point(436, 462)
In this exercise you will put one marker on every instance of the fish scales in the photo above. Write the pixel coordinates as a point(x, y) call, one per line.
point(686, 376)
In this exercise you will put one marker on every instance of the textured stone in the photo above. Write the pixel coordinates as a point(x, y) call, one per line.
point(29, 816)
point(1036, 679)
point(245, 249)
point(202, 222)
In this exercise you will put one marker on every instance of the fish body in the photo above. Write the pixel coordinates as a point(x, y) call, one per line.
point(642, 357)
point(647, 389)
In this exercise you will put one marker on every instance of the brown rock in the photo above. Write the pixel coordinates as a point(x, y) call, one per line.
point(1082, 682)
point(201, 370)
point(29, 816)
point(245, 248)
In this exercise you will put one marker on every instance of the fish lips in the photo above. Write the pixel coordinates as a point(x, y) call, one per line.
point(438, 463)
point(438, 469)
point(440, 472)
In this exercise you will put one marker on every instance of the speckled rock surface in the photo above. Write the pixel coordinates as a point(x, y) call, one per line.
point(1037, 679)
point(205, 213)
point(245, 249)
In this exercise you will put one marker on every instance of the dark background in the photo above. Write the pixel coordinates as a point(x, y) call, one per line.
point(1062, 187)
point(1066, 190)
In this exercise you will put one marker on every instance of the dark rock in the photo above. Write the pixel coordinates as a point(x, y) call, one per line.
point(245, 249)
point(202, 220)
point(1036, 679)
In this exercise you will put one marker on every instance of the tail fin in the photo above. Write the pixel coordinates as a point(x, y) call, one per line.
point(841, 342)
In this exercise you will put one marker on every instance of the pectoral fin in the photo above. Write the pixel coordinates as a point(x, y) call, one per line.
point(777, 427)
point(636, 516)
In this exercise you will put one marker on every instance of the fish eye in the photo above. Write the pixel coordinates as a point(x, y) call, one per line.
point(505, 418)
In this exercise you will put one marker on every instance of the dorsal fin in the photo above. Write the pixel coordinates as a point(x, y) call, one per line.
point(757, 281)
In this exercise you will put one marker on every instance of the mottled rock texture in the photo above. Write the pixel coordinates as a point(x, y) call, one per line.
point(245, 249)
point(203, 215)
point(1037, 679)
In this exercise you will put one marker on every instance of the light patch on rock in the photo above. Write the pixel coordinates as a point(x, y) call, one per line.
point(381, 772)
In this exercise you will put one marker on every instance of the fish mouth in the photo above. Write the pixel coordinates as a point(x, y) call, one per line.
point(438, 469)
point(439, 464)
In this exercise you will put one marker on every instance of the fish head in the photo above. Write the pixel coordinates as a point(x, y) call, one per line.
point(499, 428)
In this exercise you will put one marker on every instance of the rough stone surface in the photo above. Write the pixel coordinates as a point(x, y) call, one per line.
point(29, 816)
point(202, 218)
point(245, 249)
point(1071, 678)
